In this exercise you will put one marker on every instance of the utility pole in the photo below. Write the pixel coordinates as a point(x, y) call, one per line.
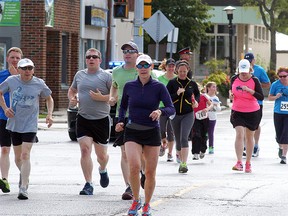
point(138, 21)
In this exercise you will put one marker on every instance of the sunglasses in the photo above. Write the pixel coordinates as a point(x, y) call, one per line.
point(139, 66)
point(284, 76)
point(129, 51)
point(93, 56)
point(27, 68)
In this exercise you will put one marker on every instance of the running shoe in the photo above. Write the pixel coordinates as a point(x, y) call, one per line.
point(178, 158)
point(4, 185)
point(283, 160)
point(169, 158)
point(196, 157)
point(23, 194)
point(183, 168)
point(202, 155)
point(162, 151)
point(127, 195)
point(136, 205)
point(256, 152)
point(248, 168)
point(104, 178)
point(211, 150)
point(146, 210)
point(87, 190)
point(142, 179)
point(280, 153)
point(238, 166)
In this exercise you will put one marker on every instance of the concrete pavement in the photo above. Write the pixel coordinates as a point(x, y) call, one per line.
point(209, 188)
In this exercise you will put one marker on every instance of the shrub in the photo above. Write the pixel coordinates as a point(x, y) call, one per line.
point(218, 76)
point(222, 80)
point(272, 75)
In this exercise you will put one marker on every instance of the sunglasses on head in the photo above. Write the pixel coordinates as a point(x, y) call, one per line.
point(27, 68)
point(93, 56)
point(129, 51)
point(139, 66)
point(283, 76)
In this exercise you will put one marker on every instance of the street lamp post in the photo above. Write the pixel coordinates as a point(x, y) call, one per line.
point(229, 10)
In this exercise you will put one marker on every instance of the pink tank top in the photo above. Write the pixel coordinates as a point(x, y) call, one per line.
point(243, 101)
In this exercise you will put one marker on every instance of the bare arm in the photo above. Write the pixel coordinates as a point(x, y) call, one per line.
point(50, 108)
point(8, 111)
point(113, 96)
point(72, 96)
point(274, 97)
point(265, 85)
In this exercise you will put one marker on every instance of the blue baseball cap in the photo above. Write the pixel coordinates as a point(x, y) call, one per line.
point(249, 57)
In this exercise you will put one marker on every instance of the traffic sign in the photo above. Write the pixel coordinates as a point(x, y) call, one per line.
point(158, 26)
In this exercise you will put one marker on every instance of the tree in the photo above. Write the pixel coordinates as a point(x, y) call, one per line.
point(274, 16)
point(190, 16)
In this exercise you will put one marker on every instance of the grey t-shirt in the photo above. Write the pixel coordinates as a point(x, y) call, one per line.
point(84, 82)
point(24, 100)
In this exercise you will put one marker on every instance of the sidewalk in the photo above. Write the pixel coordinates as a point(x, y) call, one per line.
point(59, 116)
point(59, 120)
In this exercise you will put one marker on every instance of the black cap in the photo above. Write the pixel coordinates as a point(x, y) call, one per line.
point(170, 61)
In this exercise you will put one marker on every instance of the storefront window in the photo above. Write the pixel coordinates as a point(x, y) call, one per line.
point(216, 46)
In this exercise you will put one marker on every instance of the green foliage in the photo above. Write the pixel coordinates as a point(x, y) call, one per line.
point(214, 65)
point(272, 75)
point(218, 76)
point(190, 16)
point(222, 80)
point(274, 16)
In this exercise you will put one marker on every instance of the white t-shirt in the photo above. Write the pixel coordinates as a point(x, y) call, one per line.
point(212, 114)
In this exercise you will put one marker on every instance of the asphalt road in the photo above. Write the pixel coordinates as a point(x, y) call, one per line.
point(209, 188)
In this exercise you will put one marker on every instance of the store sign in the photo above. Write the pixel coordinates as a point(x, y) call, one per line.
point(96, 16)
point(49, 10)
point(10, 12)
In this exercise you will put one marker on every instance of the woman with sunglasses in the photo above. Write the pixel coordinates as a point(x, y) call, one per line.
point(141, 99)
point(279, 94)
point(185, 96)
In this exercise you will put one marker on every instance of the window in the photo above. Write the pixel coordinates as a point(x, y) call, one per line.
point(255, 32)
point(267, 35)
point(223, 29)
point(259, 32)
point(64, 59)
point(263, 33)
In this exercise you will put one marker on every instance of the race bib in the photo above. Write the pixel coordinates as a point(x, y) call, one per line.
point(284, 106)
point(200, 115)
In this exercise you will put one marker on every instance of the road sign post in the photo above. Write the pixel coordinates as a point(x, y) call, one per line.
point(158, 26)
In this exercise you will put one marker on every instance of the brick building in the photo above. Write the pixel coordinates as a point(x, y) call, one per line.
point(48, 33)
point(54, 49)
